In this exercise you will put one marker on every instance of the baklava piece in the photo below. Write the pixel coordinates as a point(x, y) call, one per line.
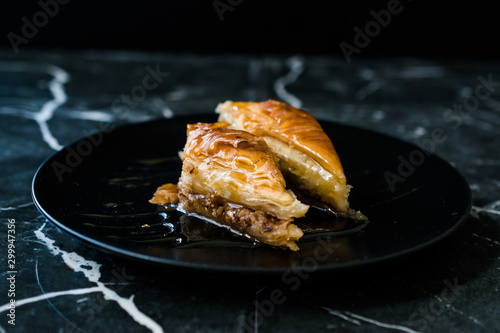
point(230, 176)
point(306, 154)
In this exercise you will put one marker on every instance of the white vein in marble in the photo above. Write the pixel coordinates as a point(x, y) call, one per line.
point(91, 271)
point(296, 65)
point(490, 211)
point(56, 87)
point(45, 296)
point(492, 208)
point(447, 305)
point(357, 319)
point(16, 207)
point(453, 309)
point(80, 264)
point(94, 115)
point(486, 239)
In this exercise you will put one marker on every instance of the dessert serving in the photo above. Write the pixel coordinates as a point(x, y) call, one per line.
point(241, 172)
point(231, 177)
point(306, 154)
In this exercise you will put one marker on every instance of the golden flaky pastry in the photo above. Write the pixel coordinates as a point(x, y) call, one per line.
point(305, 151)
point(230, 176)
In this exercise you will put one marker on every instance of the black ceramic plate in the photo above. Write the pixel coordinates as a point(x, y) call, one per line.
point(97, 189)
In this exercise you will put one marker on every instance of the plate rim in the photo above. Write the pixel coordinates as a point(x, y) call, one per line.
point(128, 254)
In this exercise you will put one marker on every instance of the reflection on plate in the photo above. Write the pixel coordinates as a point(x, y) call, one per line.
point(98, 188)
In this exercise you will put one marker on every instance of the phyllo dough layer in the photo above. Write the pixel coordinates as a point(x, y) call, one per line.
point(305, 151)
point(231, 176)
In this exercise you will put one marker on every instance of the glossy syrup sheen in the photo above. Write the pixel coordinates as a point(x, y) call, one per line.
point(176, 228)
point(173, 227)
point(144, 222)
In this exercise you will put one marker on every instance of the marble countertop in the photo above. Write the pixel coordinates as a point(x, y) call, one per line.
point(51, 98)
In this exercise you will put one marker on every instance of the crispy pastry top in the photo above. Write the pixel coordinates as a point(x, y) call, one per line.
point(286, 123)
point(237, 166)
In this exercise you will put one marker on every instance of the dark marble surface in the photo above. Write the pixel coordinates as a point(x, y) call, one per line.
point(51, 98)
